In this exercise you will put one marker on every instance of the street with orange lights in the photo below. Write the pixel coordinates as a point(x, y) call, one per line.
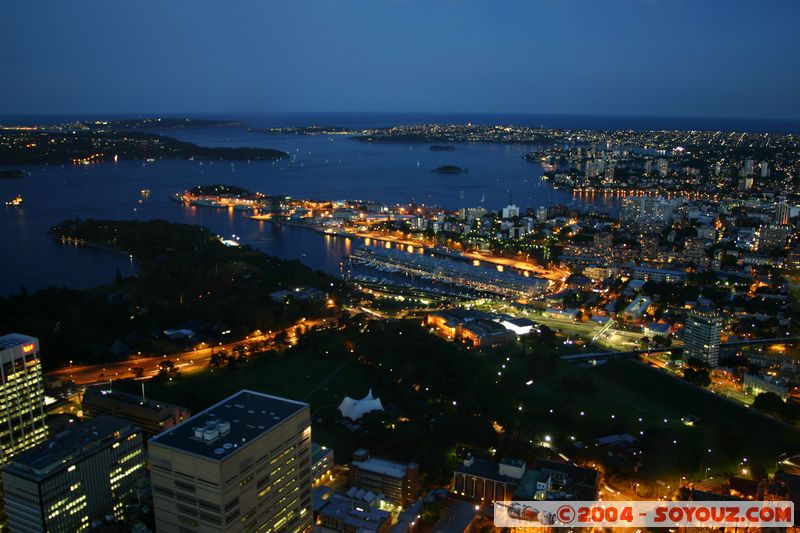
point(189, 361)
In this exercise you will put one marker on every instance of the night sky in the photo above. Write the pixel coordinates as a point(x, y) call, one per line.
point(725, 58)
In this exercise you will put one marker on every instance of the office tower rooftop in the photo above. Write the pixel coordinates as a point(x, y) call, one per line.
point(240, 465)
point(229, 425)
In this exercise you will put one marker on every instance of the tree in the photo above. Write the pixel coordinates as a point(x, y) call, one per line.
point(769, 403)
point(697, 372)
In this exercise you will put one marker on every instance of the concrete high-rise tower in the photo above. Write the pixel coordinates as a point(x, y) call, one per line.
point(243, 464)
point(701, 337)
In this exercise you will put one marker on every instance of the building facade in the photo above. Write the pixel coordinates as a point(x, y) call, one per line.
point(22, 392)
point(243, 464)
point(398, 482)
point(81, 475)
point(701, 336)
point(484, 480)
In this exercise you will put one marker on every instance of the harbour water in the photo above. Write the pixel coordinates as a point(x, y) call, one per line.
point(332, 167)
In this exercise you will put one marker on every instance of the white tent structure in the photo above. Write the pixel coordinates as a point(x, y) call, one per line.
point(355, 409)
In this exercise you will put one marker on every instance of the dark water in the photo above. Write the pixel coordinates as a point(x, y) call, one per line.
point(322, 167)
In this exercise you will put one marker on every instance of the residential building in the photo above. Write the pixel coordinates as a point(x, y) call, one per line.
point(86, 473)
point(771, 236)
point(398, 482)
point(759, 384)
point(655, 274)
point(151, 416)
point(603, 242)
point(510, 211)
point(701, 336)
point(243, 464)
point(647, 211)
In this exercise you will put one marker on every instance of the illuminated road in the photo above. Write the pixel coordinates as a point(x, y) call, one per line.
point(190, 361)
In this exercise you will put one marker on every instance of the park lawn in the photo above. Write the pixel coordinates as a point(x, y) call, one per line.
point(289, 375)
point(722, 422)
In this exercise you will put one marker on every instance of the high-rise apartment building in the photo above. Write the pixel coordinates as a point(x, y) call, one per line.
point(663, 167)
point(701, 336)
point(243, 464)
point(78, 476)
point(647, 211)
point(22, 393)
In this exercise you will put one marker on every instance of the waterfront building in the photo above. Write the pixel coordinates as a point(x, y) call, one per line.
point(701, 336)
point(151, 416)
point(243, 464)
point(398, 482)
point(81, 475)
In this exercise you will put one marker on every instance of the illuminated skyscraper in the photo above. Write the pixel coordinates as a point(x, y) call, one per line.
point(243, 464)
point(701, 336)
point(22, 393)
point(78, 476)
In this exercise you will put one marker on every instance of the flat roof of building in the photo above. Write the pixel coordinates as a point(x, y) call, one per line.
point(93, 393)
point(356, 516)
point(486, 469)
point(383, 466)
point(249, 415)
point(13, 340)
point(60, 451)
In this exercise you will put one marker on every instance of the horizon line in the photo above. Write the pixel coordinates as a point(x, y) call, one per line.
point(156, 114)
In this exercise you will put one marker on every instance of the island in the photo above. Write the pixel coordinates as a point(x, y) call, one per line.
point(43, 146)
point(12, 173)
point(442, 148)
point(450, 169)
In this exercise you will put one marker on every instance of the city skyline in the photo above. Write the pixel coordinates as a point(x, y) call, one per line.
point(651, 58)
point(526, 263)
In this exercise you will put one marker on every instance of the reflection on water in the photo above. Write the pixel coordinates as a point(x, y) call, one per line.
point(322, 167)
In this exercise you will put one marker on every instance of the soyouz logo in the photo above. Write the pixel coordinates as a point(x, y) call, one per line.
point(643, 514)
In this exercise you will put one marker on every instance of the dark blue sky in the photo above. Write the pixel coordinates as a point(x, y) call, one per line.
point(638, 57)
